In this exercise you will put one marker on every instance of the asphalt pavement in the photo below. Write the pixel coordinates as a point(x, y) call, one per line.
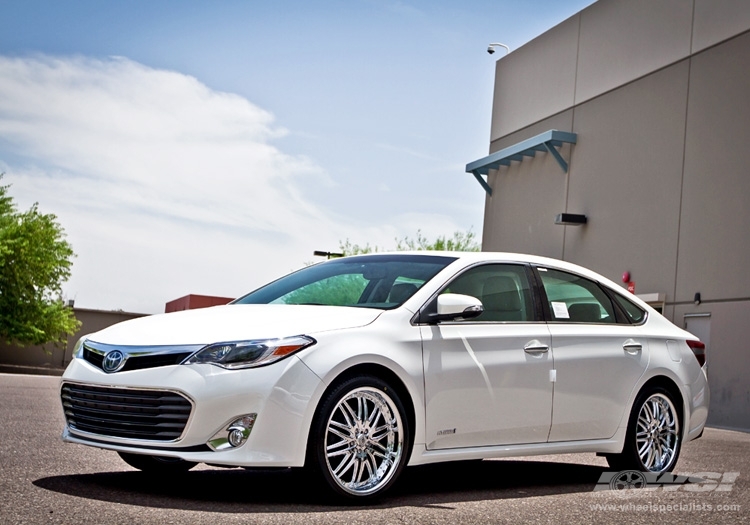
point(44, 480)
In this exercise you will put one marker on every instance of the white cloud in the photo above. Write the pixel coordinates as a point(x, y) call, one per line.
point(164, 186)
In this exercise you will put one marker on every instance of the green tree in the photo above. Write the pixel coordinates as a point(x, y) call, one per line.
point(35, 260)
point(460, 242)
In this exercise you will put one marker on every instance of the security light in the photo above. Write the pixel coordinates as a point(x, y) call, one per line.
point(491, 48)
point(570, 219)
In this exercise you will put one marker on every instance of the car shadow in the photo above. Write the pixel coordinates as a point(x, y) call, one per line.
point(289, 490)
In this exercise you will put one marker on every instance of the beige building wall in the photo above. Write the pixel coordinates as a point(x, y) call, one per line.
point(49, 356)
point(659, 96)
point(715, 221)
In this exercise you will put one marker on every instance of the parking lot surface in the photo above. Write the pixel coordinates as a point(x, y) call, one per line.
point(46, 481)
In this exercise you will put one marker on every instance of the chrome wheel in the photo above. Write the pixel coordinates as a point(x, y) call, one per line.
point(657, 433)
point(653, 442)
point(364, 441)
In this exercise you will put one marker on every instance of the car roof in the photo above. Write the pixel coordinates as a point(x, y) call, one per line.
point(510, 257)
point(469, 257)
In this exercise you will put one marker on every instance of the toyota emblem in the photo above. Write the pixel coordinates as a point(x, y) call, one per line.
point(113, 361)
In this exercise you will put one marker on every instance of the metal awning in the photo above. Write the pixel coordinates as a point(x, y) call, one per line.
point(548, 141)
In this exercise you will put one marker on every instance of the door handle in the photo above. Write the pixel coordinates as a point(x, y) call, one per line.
point(632, 347)
point(535, 347)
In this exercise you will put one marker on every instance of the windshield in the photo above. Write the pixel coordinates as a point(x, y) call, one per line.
point(372, 281)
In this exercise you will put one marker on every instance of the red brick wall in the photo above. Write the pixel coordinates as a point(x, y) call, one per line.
point(192, 301)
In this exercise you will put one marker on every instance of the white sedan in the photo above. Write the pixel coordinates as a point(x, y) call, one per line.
point(357, 367)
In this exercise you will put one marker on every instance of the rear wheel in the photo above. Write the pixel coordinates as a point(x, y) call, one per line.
point(156, 464)
point(653, 440)
point(360, 439)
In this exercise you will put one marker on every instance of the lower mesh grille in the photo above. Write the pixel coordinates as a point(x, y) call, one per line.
point(125, 412)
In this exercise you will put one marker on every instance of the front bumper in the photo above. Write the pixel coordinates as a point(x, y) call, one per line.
point(280, 394)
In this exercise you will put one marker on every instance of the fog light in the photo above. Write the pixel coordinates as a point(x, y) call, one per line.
point(234, 434)
point(237, 436)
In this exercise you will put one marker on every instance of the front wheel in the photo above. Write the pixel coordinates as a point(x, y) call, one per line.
point(653, 440)
point(156, 464)
point(360, 438)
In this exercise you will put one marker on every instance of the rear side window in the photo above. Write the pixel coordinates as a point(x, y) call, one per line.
point(503, 289)
point(633, 312)
point(574, 299)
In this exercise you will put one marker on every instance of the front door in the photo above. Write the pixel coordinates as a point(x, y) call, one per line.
point(487, 380)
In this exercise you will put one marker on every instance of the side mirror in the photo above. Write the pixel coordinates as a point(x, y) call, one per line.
point(453, 306)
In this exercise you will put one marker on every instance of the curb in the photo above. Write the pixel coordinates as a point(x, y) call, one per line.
point(31, 370)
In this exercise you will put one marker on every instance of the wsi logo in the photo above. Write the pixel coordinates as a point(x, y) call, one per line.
point(113, 361)
point(629, 481)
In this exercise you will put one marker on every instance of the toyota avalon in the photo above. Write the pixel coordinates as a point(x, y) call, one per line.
point(360, 366)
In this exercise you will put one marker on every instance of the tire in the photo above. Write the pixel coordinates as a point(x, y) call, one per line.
point(157, 464)
point(360, 439)
point(653, 441)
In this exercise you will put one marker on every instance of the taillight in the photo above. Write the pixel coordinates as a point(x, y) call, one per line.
point(699, 349)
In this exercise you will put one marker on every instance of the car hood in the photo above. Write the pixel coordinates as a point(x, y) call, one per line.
point(235, 322)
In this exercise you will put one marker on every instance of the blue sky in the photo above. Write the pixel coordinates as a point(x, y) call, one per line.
point(207, 147)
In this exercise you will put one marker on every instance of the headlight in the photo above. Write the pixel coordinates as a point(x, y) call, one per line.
point(78, 348)
point(248, 354)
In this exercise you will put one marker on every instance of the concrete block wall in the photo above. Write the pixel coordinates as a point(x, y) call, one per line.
point(657, 93)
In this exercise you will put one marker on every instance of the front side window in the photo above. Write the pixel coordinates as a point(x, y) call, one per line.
point(370, 281)
point(574, 299)
point(503, 289)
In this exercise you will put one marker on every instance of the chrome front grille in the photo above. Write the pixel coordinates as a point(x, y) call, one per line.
point(157, 415)
point(138, 362)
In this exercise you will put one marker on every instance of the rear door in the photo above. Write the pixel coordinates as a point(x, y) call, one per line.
point(599, 356)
